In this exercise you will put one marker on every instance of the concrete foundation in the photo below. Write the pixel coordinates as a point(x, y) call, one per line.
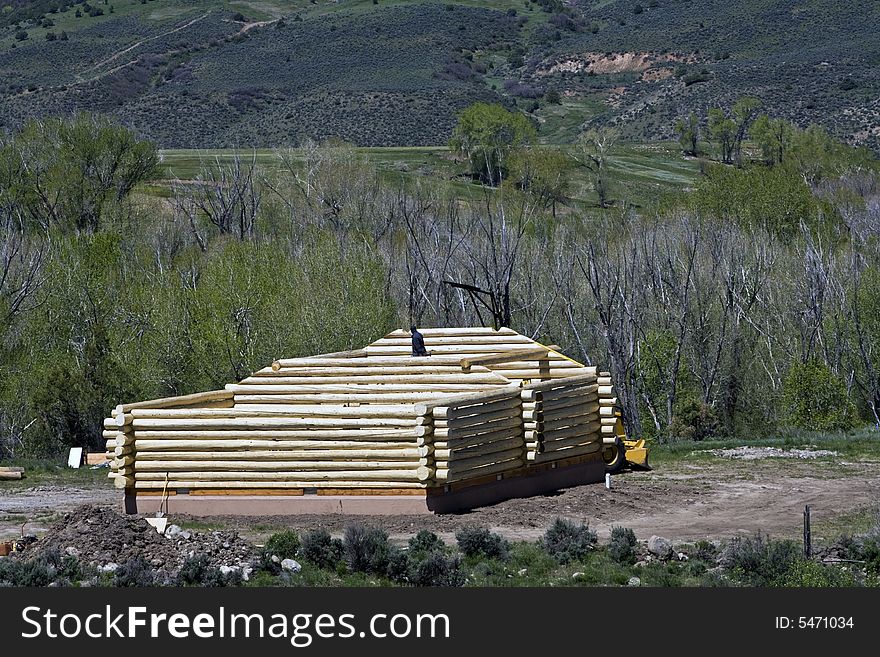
point(453, 498)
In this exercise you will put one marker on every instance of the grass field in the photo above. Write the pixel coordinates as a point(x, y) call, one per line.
point(641, 172)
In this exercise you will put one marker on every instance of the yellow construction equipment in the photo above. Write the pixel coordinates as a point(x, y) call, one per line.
point(619, 451)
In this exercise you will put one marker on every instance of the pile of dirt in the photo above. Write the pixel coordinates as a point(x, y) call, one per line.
point(754, 453)
point(104, 538)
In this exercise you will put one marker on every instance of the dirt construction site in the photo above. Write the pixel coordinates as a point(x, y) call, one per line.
point(706, 494)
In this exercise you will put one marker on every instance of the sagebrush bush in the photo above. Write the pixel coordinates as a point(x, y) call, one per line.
point(437, 569)
point(759, 560)
point(622, 547)
point(806, 573)
point(32, 573)
point(426, 542)
point(566, 542)
point(284, 544)
point(367, 550)
point(321, 549)
point(198, 571)
point(480, 542)
point(134, 572)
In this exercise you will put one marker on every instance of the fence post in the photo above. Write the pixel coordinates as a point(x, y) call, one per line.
point(808, 539)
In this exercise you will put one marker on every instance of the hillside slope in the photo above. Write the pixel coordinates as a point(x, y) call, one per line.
point(199, 73)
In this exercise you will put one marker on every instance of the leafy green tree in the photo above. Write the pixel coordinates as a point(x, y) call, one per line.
point(486, 134)
point(744, 112)
point(688, 131)
point(594, 147)
point(543, 172)
point(722, 132)
point(65, 173)
point(815, 400)
point(774, 137)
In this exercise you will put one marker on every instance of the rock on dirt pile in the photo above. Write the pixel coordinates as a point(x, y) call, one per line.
point(100, 537)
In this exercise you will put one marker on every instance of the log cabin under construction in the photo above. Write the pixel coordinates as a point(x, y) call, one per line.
point(489, 415)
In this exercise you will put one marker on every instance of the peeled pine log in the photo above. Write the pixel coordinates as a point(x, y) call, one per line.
point(122, 462)
point(207, 446)
point(456, 465)
point(280, 485)
point(462, 442)
point(171, 402)
point(397, 454)
point(123, 451)
point(241, 466)
point(576, 415)
point(485, 349)
point(583, 397)
point(349, 353)
point(457, 331)
point(606, 411)
point(361, 379)
point(499, 393)
point(445, 453)
point(587, 377)
point(422, 473)
point(552, 362)
point(606, 391)
point(482, 419)
point(9, 475)
point(365, 369)
point(374, 433)
point(405, 341)
point(304, 410)
point(271, 423)
point(566, 453)
point(467, 410)
point(443, 474)
point(550, 427)
point(403, 360)
point(509, 425)
point(562, 443)
point(351, 386)
point(572, 432)
point(534, 375)
point(348, 398)
point(123, 482)
point(529, 353)
point(607, 401)
point(567, 392)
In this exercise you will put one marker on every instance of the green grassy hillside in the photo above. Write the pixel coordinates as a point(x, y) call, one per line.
point(200, 73)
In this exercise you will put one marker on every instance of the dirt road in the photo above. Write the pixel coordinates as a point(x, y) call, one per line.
point(702, 497)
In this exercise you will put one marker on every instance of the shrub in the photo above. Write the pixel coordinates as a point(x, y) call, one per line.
point(622, 547)
point(426, 542)
point(759, 561)
point(322, 550)
point(134, 572)
point(437, 569)
point(566, 542)
point(33, 573)
point(480, 542)
point(367, 550)
point(814, 399)
point(696, 420)
point(806, 573)
point(705, 551)
point(197, 571)
point(283, 545)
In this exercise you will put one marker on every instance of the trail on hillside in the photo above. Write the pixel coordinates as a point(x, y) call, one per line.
point(119, 54)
